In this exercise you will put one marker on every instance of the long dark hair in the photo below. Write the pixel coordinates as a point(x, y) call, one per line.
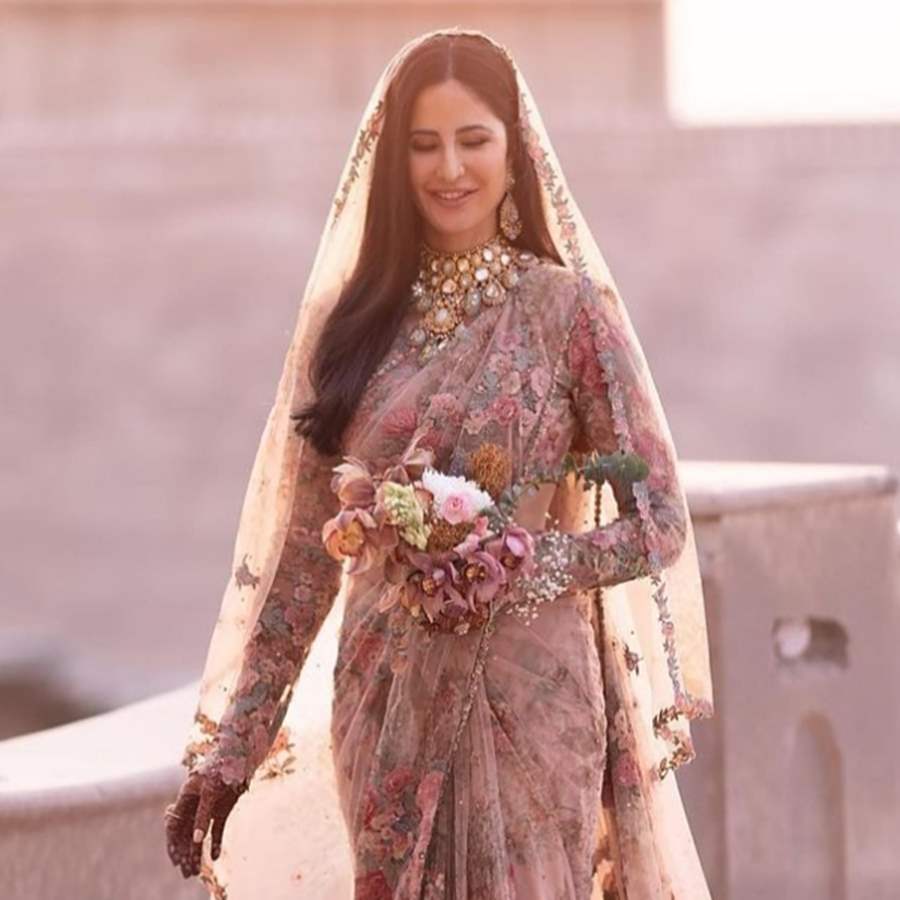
point(366, 317)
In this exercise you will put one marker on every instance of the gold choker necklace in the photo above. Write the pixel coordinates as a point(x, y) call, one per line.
point(452, 287)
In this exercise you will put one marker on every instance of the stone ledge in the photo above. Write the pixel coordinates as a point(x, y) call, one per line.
point(715, 489)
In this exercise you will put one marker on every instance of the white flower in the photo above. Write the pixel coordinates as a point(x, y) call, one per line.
point(457, 499)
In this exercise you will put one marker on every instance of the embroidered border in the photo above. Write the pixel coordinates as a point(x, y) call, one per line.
point(685, 704)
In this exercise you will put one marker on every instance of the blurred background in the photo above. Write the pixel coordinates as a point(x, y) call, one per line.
point(165, 172)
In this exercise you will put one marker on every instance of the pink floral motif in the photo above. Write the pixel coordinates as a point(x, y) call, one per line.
point(370, 649)
point(446, 408)
point(505, 409)
point(301, 615)
point(508, 341)
point(499, 364)
point(528, 376)
point(400, 422)
point(540, 381)
point(476, 421)
point(529, 418)
point(512, 382)
point(584, 366)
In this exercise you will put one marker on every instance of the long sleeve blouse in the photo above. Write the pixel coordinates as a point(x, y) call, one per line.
point(303, 591)
point(612, 405)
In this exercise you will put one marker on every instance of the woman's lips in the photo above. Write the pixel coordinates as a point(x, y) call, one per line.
point(451, 199)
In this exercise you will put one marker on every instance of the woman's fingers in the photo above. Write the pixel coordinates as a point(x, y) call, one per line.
point(226, 802)
point(203, 801)
point(201, 822)
point(179, 825)
point(218, 828)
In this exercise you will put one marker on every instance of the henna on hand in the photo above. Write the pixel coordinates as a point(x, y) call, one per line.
point(203, 799)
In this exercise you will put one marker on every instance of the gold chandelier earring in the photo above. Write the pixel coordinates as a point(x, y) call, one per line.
point(510, 222)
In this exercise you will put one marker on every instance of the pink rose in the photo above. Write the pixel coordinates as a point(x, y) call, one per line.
point(456, 508)
point(508, 341)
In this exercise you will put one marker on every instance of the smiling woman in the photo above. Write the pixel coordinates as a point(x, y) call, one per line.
point(458, 166)
point(520, 749)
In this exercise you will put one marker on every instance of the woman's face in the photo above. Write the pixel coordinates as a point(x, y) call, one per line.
point(457, 166)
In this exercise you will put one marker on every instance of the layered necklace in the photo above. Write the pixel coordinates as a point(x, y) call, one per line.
point(451, 288)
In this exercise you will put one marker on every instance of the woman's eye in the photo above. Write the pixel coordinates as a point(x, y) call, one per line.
point(427, 148)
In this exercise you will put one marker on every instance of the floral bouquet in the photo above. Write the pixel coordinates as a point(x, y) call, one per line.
point(447, 553)
point(448, 545)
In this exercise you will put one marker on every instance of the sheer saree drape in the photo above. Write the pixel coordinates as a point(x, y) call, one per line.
point(524, 760)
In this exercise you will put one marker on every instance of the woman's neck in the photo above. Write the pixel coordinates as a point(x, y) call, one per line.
point(464, 248)
point(460, 243)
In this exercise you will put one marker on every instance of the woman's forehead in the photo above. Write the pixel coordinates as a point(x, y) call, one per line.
point(450, 106)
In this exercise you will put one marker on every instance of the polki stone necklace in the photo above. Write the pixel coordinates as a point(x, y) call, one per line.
point(451, 288)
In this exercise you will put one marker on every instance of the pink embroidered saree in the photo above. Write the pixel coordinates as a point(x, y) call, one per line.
point(529, 759)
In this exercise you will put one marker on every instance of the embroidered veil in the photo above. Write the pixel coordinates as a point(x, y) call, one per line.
point(659, 619)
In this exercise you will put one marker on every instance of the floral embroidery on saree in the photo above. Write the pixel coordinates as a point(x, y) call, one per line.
point(532, 381)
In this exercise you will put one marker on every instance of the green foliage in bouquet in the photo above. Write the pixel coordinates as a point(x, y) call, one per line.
point(620, 468)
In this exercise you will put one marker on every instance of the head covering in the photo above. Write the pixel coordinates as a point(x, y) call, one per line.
point(662, 615)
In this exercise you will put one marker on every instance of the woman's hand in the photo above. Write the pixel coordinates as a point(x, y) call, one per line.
point(203, 798)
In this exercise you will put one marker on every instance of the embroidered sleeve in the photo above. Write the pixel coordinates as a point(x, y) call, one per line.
point(614, 412)
point(302, 593)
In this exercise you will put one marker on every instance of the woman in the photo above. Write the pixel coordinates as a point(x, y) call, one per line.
point(525, 757)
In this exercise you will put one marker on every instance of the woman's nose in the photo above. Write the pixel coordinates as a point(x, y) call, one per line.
point(451, 166)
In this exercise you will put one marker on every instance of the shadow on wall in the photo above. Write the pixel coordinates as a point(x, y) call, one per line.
point(38, 688)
